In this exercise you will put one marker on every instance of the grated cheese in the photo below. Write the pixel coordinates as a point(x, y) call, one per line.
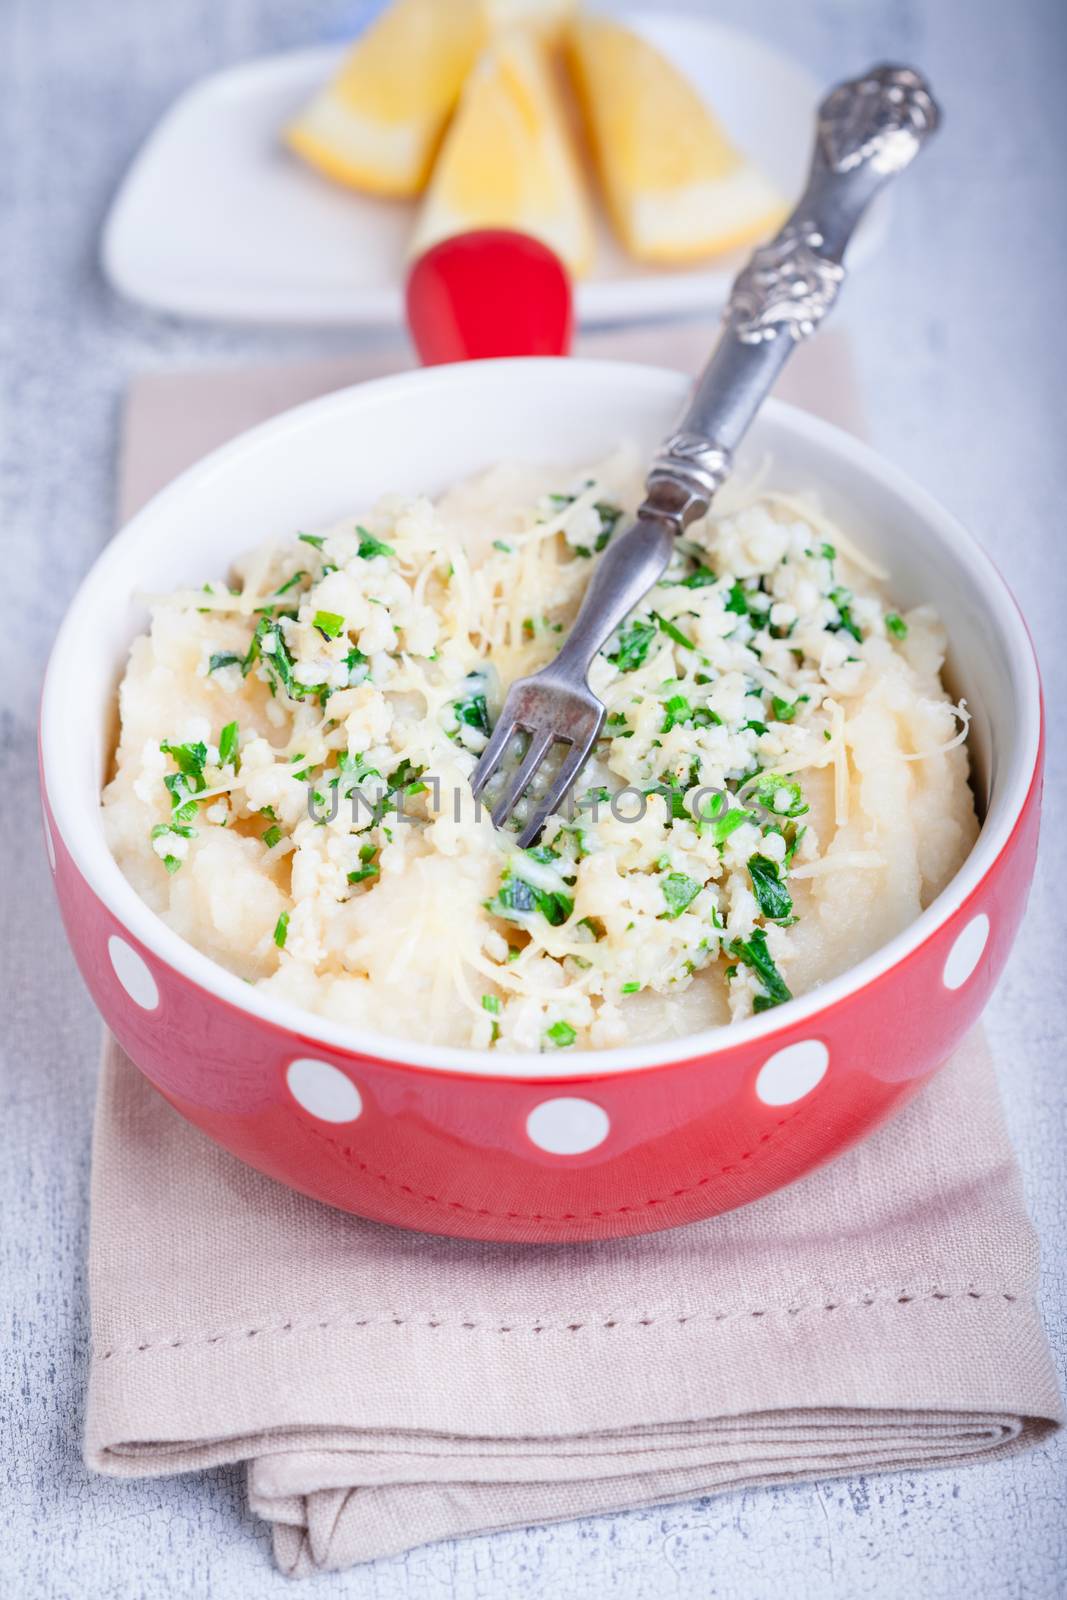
point(761, 669)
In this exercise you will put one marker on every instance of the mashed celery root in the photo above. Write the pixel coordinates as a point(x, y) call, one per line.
point(795, 775)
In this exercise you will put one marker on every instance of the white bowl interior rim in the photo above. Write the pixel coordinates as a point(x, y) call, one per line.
point(79, 824)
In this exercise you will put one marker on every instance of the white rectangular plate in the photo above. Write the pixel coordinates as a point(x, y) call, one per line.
point(217, 219)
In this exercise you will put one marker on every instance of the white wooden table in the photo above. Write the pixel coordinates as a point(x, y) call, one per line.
point(959, 330)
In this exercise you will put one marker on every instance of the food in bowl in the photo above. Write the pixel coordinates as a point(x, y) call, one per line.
point(561, 1144)
point(780, 789)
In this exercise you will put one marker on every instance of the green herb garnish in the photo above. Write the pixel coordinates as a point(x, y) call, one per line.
point(771, 893)
point(369, 546)
point(290, 583)
point(721, 819)
point(673, 631)
point(472, 711)
point(768, 787)
point(634, 642)
point(737, 600)
point(281, 930)
point(679, 892)
point(188, 781)
point(516, 898)
point(609, 521)
point(561, 1035)
point(896, 625)
point(754, 953)
point(189, 759)
point(229, 742)
point(329, 623)
point(358, 666)
point(269, 647)
point(161, 831)
point(842, 599)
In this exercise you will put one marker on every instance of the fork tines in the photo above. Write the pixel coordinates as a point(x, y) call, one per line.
point(579, 738)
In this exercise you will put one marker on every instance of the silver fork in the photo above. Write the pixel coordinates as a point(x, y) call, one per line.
point(867, 130)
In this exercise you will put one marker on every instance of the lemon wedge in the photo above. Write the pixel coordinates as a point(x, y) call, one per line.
point(547, 16)
point(676, 187)
point(507, 160)
point(378, 123)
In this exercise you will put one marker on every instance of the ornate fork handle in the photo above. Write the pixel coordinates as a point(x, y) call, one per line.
point(868, 130)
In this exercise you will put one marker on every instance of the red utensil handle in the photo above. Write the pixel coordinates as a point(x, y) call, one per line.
point(489, 293)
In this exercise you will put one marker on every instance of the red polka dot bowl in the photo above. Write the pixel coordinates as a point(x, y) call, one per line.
point(552, 1147)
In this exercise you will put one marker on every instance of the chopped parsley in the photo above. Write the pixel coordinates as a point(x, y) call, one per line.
point(290, 583)
point(752, 604)
point(842, 599)
point(609, 520)
point(164, 829)
point(561, 1035)
point(721, 819)
point(223, 658)
point(754, 953)
point(737, 600)
point(679, 892)
point(543, 853)
point(771, 893)
point(634, 642)
point(782, 796)
point(516, 899)
point(472, 711)
point(272, 836)
point(229, 742)
point(368, 868)
point(896, 625)
point(369, 546)
point(672, 631)
point(187, 782)
point(268, 646)
point(315, 540)
point(491, 1003)
point(329, 623)
point(358, 666)
point(700, 579)
point(678, 712)
point(189, 759)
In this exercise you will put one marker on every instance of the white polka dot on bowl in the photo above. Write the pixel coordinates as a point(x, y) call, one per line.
point(792, 1072)
point(567, 1126)
point(133, 973)
point(323, 1090)
point(966, 952)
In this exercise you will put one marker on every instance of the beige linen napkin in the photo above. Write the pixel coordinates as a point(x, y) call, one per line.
point(389, 1388)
